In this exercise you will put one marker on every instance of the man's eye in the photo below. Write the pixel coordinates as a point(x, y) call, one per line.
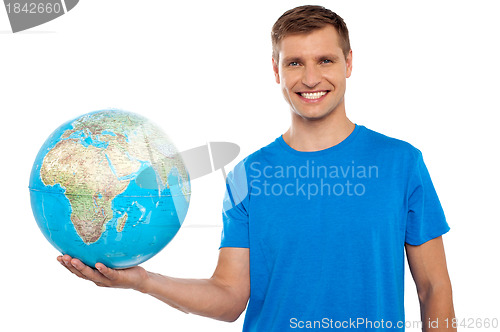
point(293, 64)
point(326, 61)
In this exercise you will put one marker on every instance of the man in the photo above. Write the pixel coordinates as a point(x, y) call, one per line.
point(316, 223)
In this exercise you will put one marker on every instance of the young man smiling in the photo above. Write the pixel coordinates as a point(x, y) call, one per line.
point(328, 259)
point(313, 76)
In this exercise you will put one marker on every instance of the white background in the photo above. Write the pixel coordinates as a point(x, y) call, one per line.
point(425, 72)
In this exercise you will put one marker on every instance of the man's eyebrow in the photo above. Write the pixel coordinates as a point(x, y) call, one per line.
point(292, 59)
point(332, 57)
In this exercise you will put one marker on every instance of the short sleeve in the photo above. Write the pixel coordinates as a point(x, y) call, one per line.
point(425, 219)
point(235, 210)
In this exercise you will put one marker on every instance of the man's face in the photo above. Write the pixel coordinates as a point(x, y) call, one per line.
point(312, 71)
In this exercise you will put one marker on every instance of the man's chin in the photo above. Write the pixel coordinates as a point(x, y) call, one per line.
point(311, 116)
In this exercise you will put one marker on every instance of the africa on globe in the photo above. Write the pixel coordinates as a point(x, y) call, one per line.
point(109, 187)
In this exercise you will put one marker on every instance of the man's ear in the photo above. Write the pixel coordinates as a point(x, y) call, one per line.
point(276, 71)
point(348, 62)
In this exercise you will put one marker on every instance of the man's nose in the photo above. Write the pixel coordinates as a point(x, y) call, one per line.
point(311, 76)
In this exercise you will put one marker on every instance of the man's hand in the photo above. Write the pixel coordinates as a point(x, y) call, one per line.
point(224, 296)
point(134, 277)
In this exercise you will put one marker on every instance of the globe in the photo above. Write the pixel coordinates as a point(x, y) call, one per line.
point(109, 187)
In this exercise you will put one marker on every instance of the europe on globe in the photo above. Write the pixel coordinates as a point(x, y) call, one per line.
point(109, 187)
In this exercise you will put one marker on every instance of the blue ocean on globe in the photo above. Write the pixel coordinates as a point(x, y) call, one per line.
point(109, 187)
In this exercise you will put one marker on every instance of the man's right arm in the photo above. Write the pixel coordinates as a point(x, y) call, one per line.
point(224, 296)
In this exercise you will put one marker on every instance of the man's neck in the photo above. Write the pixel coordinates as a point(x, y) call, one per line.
point(316, 135)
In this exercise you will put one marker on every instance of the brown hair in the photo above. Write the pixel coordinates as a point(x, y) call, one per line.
point(305, 19)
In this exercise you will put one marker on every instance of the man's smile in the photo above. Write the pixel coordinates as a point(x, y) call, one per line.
point(313, 96)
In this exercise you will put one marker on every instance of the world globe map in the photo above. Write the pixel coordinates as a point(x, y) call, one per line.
point(109, 187)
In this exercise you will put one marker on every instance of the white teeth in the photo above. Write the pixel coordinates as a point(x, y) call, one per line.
point(314, 95)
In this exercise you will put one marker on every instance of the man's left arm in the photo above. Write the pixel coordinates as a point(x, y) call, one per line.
point(428, 267)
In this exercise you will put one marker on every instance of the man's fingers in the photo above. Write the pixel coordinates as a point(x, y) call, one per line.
point(83, 271)
point(106, 271)
point(103, 276)
point(66, 262)
point(88, 272)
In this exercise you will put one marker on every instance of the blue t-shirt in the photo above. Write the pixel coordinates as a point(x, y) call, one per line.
point(326, 231)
